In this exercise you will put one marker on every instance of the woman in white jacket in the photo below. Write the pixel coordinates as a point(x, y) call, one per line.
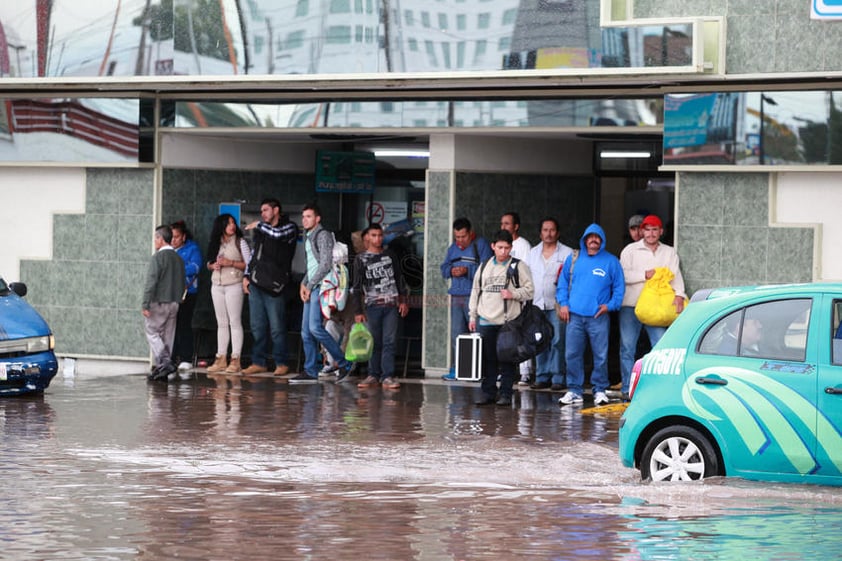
point(229, 254)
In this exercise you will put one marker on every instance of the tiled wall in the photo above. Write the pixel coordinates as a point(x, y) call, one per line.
point(761, 34)
point(90, 292)
point(483, 197)
point(724, 237)
point(438, 236)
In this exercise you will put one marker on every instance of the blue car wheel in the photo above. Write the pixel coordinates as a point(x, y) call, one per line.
point(678, 453)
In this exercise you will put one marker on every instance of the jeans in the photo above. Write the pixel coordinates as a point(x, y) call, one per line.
point(459, 317)
point(629, 333)
point(313, 333)
point(383, 324)
point(267, 317)
point(490, 366)
point(550, 365)
point(580, 330)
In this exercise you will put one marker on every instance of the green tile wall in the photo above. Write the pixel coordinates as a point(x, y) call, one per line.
point(90, 291)
point(438, 236)
point(724, 237)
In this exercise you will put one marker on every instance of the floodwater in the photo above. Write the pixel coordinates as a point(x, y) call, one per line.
point(227, 468)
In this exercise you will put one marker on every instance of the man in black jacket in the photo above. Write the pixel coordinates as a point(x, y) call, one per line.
point(266, 275)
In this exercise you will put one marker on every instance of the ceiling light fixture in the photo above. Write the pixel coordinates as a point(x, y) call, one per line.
point(636, 154)
point(400, 153)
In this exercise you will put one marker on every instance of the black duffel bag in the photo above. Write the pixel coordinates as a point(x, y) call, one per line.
point(525, 336)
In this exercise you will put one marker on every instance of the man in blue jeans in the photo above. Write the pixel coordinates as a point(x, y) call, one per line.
point(266, 276)
point(590, 286)
point(318, 249)
point(380, 294)
point(545, 261)
point(460, 264)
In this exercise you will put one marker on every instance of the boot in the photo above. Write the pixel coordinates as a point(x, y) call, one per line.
point(219, 364)
point(234, 365)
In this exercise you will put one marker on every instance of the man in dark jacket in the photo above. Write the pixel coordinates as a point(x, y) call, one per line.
point(162, 294)
point(380, 297)
point(463, 258)
point(266, 275)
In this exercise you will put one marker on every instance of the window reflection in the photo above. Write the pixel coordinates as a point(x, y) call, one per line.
point(753, 128)
point(230, 37)
point(69, 130)
point(424, 114)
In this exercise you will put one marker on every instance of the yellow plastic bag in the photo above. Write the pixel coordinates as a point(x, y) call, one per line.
point(656, 305)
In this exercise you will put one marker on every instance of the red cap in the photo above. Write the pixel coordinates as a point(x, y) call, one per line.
point(651, 220)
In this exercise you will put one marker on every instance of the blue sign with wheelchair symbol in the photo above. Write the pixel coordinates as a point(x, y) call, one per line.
point(826, 9)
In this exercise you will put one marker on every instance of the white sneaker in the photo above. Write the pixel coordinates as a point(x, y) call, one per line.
point(570, 398)
point(599, 398)
point(185, 365)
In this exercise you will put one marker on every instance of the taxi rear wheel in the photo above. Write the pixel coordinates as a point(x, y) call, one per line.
point(678, 454)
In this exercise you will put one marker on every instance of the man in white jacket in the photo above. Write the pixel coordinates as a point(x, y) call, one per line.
point(639, 260)
point(545, 261)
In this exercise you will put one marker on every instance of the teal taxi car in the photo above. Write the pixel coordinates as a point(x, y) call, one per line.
point(27, 360)
point(747, 382)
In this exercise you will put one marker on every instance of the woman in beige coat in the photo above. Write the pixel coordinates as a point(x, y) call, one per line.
point(229, 253)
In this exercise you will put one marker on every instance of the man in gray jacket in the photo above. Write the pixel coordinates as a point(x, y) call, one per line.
point(162, 294)
point(318, 246)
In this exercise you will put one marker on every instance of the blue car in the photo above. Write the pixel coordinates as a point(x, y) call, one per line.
point(747, 382)
point(27, 361)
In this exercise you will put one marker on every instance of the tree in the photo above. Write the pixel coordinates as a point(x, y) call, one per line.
point(207, 27)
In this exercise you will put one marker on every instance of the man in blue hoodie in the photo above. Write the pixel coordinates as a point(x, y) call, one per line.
point(464, 256)
point(591, 285)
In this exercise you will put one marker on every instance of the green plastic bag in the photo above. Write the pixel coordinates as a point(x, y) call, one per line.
point(360, 344)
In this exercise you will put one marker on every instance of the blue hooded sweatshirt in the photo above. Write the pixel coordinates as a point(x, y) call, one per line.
point(597, 279)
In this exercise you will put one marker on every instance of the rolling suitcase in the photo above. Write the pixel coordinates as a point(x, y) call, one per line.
point(469, 357)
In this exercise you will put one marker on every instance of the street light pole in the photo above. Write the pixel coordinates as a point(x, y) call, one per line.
point(762, 149)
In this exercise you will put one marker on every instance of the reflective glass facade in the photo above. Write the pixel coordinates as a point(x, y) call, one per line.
point(63, 38)
point(423, 114)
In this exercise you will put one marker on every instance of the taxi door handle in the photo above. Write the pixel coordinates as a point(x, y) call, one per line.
point(714, 381)
point(833, 391)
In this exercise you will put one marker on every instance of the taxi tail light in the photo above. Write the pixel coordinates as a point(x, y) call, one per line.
point(635, 377)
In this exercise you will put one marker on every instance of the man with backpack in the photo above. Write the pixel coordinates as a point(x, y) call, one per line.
point(318, 248)
point(463, 258)
point(496, 298)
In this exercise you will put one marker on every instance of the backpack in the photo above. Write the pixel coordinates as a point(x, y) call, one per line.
point(527, 335)
point(333, 292)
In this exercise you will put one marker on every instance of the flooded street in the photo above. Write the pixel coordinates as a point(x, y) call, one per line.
point(116, 468)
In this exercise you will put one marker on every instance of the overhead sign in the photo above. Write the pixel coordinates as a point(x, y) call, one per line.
point(344, 172)
point(826, 9)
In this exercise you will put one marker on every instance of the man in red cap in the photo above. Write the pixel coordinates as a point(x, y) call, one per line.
point(639, 260)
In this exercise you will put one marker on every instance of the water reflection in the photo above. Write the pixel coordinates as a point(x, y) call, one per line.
point(227, 467)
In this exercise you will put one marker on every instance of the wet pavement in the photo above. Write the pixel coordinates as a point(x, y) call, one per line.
point(226, 467)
